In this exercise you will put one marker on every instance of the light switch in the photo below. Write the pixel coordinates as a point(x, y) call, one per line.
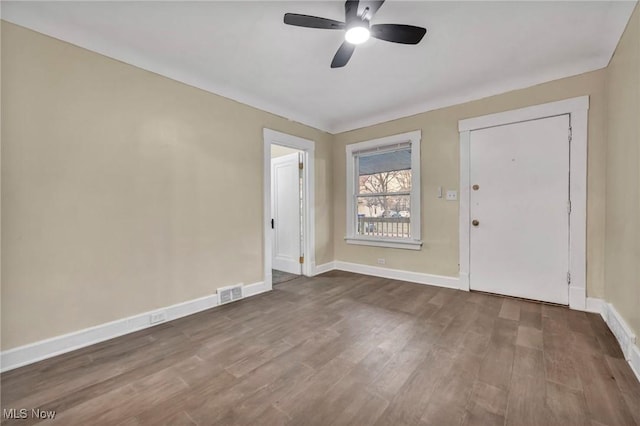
point(452, 195)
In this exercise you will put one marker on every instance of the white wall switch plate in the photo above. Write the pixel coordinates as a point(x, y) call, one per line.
point(452, 195)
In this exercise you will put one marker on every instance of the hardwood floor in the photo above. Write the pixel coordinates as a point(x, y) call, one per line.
point(278, 277)
point(345, 349)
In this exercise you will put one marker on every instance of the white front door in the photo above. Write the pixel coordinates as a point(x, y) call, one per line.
point(286, 213)
point(519, 235)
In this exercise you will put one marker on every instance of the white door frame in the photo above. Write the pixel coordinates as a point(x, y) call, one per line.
point(308, 204)
point(578, 109)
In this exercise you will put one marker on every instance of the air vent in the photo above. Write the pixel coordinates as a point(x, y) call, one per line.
point(230, 294)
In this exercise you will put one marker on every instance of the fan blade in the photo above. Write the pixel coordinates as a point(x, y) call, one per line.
point(397, 33)
point(351, 10)
point(312, 22)
point(343, 55)
point(373, 6)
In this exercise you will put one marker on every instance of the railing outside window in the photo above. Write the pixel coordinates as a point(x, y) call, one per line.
point(390, 227)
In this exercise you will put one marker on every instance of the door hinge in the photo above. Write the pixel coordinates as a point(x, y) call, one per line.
point(570, 133)
point(301, 259)
point(568, 277)
point(569, 206)
point(301, 165)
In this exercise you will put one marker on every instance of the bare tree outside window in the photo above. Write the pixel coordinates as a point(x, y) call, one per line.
point(383, 192)
point(385, 184)
point(383, 198)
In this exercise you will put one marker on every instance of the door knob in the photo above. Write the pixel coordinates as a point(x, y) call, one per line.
point(475, 222)
point(476, 187)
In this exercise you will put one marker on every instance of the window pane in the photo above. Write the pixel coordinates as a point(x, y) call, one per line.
point(384, 216)
point(385, 172)
point(386, 182)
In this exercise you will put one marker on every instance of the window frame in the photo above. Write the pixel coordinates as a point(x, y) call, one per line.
point(414, 243)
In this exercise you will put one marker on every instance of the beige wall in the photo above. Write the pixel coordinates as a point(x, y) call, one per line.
point(622, 268)
point(115, 201)
point(124, 191)
point(440, 167)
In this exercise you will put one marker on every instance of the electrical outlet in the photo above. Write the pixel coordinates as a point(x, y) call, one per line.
point(157, 317)
point(452, 195)
point(381, 261)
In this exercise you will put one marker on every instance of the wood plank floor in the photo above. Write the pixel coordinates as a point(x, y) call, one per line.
point(279, 277)
point(345, 349)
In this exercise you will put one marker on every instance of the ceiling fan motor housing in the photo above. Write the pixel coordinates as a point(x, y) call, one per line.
point(364, 23)
point(358, 29)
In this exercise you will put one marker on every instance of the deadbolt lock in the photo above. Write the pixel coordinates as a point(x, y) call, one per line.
point(475, 222)
point(476, 187)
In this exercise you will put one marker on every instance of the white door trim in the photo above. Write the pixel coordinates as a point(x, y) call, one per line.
point(308, 147)
point(578, 109)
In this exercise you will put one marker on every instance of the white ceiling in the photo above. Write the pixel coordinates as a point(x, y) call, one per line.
point(243, 51)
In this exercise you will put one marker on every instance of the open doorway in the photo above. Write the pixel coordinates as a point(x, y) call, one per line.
point(287, 233)
point(288, 207)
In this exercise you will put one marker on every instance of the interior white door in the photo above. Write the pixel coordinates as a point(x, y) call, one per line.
point(286, 213)
point(519, 235)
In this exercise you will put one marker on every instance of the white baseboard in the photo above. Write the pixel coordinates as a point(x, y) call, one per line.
point(634, 360)
point(398, 274)
point(255, 288)
point(620, 329)
point(325, 267)
point(38, 351)
point(597, 306)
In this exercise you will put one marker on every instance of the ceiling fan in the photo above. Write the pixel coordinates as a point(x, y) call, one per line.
point(357, 28)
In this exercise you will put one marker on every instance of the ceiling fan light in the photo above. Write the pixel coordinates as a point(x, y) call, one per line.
point(357, 35)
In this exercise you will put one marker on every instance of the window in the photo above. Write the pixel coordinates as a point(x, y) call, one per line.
point(383, 192)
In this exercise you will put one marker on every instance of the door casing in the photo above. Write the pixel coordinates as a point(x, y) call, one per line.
point(308, 149)
point(577, 108)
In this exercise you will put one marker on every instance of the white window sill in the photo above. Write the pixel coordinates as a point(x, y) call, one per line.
point(385, 242)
